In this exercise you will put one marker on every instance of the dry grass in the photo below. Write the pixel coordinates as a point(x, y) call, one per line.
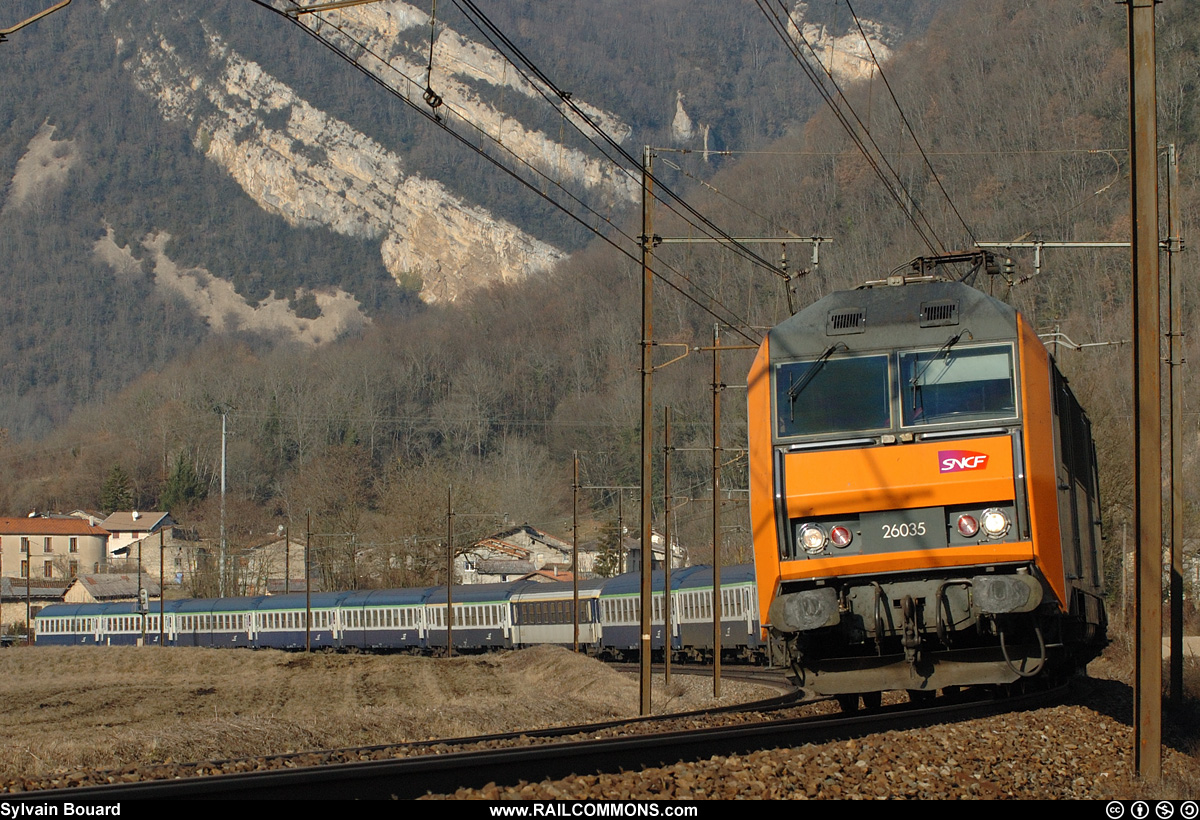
point(83, 708)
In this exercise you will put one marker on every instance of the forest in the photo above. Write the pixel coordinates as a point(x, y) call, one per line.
point(1019, 107)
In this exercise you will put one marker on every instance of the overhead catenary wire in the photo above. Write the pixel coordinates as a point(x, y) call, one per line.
point(894, 185)
point(713, 309)
point(487, 29)
point(908, 125)
point(482, 22)
point(604, 143)
point(715, 305)
point(704, 183)
point(992, 153)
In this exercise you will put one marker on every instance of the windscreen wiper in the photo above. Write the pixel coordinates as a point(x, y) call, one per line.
point(915, 381)
point(799, 386)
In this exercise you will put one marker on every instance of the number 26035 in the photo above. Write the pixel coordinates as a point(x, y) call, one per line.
point(903, 530)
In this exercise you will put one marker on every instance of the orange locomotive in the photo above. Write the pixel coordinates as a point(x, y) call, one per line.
point(923, 491)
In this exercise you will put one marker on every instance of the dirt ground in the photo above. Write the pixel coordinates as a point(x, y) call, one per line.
point(83, 707)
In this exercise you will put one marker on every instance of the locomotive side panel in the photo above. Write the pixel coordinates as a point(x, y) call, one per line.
point(1041, 457)
point(764, 532)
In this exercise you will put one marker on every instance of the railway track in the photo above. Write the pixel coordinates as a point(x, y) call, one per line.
point(443, 767)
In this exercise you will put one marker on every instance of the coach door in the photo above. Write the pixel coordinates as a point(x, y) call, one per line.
point(336, 628)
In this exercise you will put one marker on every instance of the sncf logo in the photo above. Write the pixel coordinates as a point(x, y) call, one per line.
point(953, 461)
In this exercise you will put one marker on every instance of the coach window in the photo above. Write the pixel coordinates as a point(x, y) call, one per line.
point(832, 395)
point(957, 384)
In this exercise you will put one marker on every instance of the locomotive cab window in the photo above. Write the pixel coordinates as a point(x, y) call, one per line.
point(832, 395)
point(957, 384)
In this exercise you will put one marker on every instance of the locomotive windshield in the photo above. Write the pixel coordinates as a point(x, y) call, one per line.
point(954, 384)
point(832, 395)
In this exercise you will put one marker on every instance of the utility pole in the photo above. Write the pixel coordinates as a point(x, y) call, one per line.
point(620, 516)
point(621, 531)
point(647, 241)
point(307, 583)
point(667, 637)
point(143, 609)
point(575, 547)
point(1147, 475)
point(1173, 512)
point(224, 411)
point(716, 509)
point(162, 551)
point(1175, 361)
point(29, 594)
point(450, 571)
point(717, 450)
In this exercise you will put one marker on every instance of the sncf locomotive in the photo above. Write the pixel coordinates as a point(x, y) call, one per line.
point(923, 493)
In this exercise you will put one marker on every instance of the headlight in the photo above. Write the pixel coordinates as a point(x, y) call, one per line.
point(995, 522)
point(812, 538)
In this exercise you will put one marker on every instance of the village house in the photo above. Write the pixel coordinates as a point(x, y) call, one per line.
point(632, 548)
point(519, 552)
point(127, 527)
point(169, 553)
point(109, 588)
point(17, 601)
point(56, 547)
point(272, 566)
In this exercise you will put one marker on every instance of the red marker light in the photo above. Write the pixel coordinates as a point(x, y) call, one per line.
point(840, 536)
point(967, 526)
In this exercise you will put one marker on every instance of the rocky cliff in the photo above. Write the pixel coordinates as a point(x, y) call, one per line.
point(313, 169)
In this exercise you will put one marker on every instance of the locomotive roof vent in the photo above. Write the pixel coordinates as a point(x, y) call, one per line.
point(846, 320)
point(939, 314)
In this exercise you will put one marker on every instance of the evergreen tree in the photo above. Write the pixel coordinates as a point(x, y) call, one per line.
point(115, 493)
point(608, 557)
point(183, 487)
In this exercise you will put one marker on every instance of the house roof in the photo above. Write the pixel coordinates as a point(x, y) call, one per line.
point(544, 575)
point(126, 522)
point(12, 588)
point(494, 545)
point(107, 587)
point(49, 526)
point(534, 533)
